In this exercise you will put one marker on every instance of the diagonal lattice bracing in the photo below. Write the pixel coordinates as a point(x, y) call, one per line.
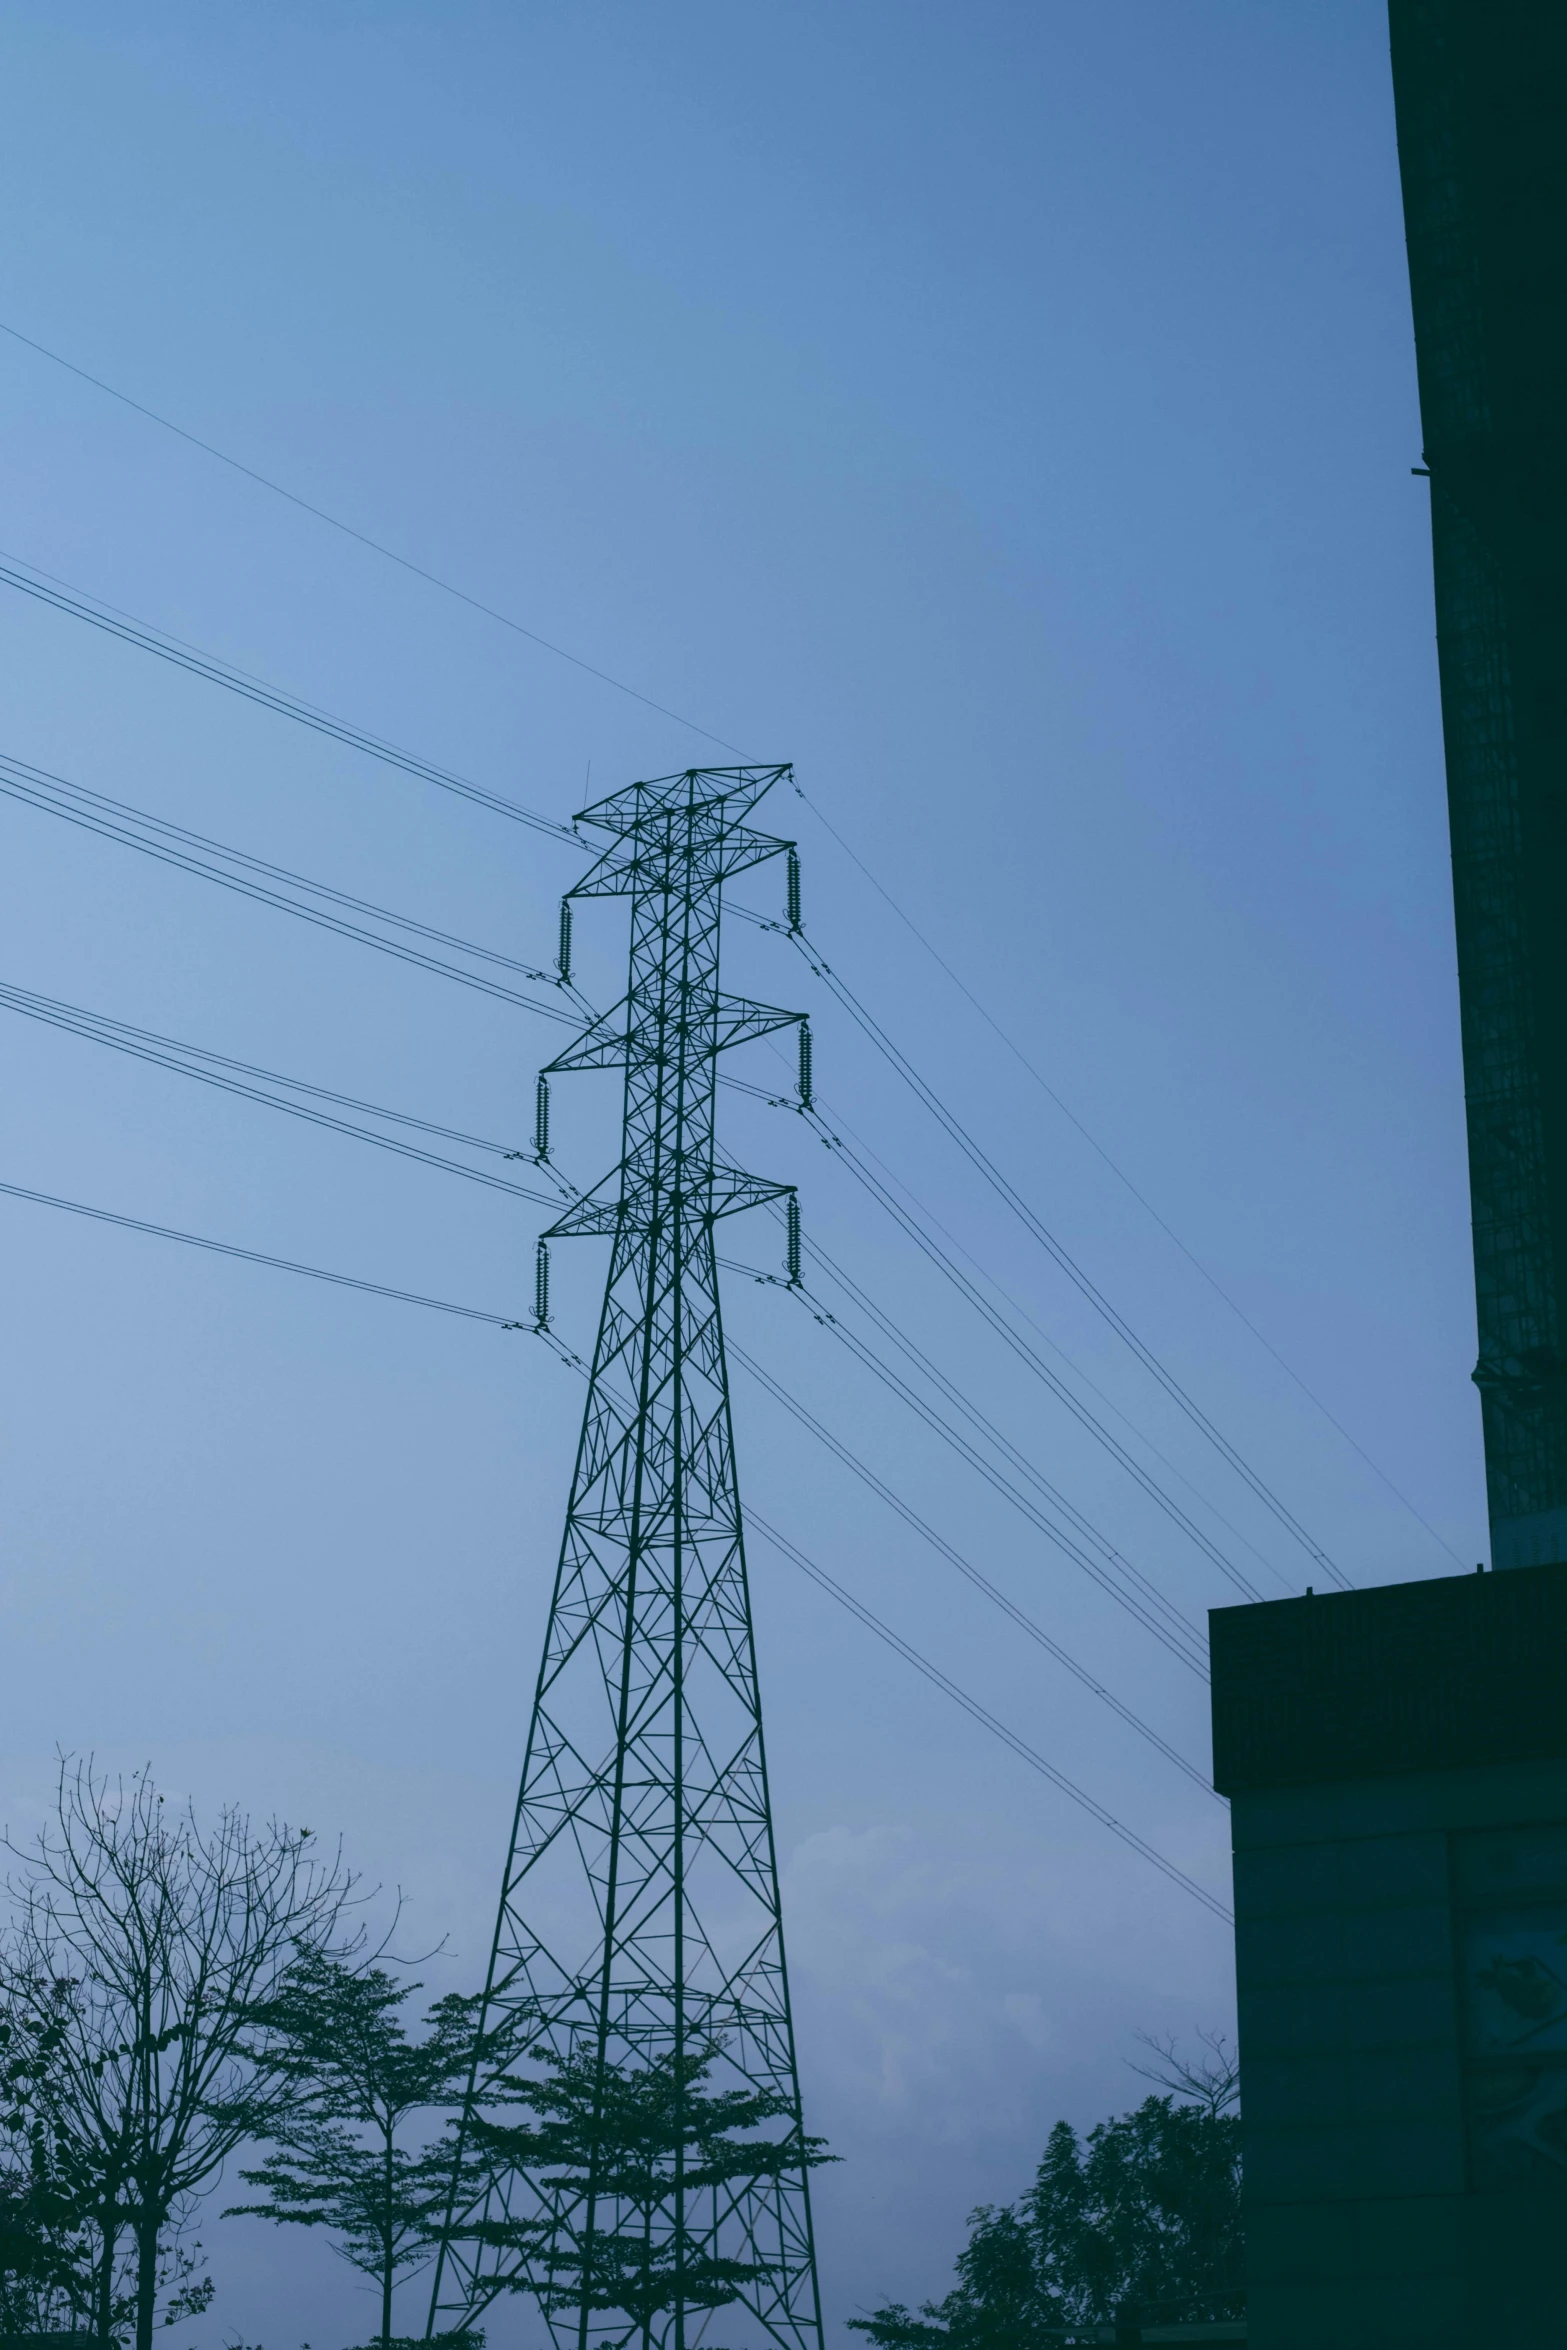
point(639, 1915)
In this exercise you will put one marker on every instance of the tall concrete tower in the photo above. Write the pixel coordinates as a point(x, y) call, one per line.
point(1481, 93)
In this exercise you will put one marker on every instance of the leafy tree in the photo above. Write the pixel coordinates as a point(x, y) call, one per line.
point(46, 2255)
point(47, 2252)
point(339, 2158)
point(624, 2152)
point(144, 1947)
point(1145, 2213)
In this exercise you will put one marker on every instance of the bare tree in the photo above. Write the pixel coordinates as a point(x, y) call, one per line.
point(148, 1945)
point(1212, 2081)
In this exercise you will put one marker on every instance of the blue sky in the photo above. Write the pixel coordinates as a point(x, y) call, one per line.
point(1006, 413)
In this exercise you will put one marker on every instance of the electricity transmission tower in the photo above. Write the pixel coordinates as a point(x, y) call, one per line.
point(639, 1915)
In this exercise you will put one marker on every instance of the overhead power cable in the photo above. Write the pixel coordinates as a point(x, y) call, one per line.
point(24, 999)
point(1059, 1255)
point(1143, 1597)
point(268, 884)
point(923, 1362)
point(188, 1061)
point(787, 1549)
point(1144, 1600)
point(505, 620)
point(79, 605)
point(1118, 1171)
point(240, 1077)
point(899, 1386)
point(75, 602)
point(960, 1696)
point(199, 854)
point(983, 1715)
point(997, 1479)
point(1189, 1654)
point(833, 1136)
point(919, 1223)
point(253, 1256)
point(1028, 1354)
point(363, 539)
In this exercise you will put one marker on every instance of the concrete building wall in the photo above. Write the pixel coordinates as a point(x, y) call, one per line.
point(1405, 2166)
point(1396, 1762)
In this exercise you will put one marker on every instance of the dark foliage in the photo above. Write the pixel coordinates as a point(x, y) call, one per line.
point(339, 2156)
point(1146, 2213)
point(618, 2152)
point(141, 1949)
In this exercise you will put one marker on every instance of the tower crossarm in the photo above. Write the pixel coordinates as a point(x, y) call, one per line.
point(610, 1038)
point(739, 1022)
point(603, 1044)
point(733, 1192)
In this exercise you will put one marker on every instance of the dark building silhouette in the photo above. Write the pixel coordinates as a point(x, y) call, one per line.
point(1396, 1758)
point(1481, 92)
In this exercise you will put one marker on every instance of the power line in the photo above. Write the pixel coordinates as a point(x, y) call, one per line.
point(1173, 1628)
point(376, 546)
point(932, 1370)
point(173, 1054)
point(237, 1077)
point(168, 1053)
point(1028, 1354)
point(62, 597)
point(960, 1444)
point(75, 602)
point(252, 1256)
point(24, 999)
point(1035, 1225)
point(969, 1704)
point(831, 1135)
point(119, 821)
point(1119, 1172)
point(1167, 1622)
point(982, 1714)
point(134, 828)
point(475, 603)
point(789, 1550)
point(922, 1526)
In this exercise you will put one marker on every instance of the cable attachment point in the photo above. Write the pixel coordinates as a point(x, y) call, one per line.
point(792, 1240)
point(541, 1286)
point(792, 888)
point(563, 952)
point(541, 1122)
point(803, 1082)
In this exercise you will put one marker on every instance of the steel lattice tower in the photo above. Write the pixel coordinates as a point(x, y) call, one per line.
point(639, 1912)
